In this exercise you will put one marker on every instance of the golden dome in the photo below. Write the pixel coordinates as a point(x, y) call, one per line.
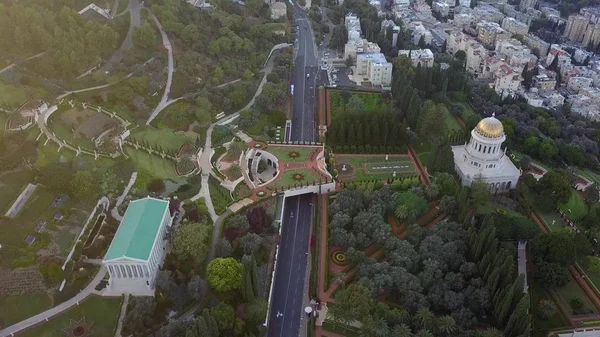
point(490, 127)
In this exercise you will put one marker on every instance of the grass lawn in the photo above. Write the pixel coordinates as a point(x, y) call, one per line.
point(16, 308)
point(592, 176)
point(424, 158)
point(466, 110)
point(166, 139)
point(376, 167)
point(451, 123)
point(220, 196)
point(540, 327)
point(490, 207)
point(573, 290)
point(283, 153)
point(102, 313)
point(11, 185)
point(592, 276)
point(287, 179)
point(155, 165)
point(575, 209)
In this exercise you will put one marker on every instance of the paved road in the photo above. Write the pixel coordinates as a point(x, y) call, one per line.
point(290, 276)
point(306, 63)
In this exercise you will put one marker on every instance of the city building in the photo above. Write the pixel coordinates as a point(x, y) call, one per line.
point(352, 23)
point(577, 83)
point(457, 40)
point(484, 157)
point(537, 45)
point(441, 7)
point(584, 106)
point(528, 4)
point(552, 99)
point(515, 27)
point(424, 57)
point(484, 12)
point(418, 31)
point(506, 80)
point(584, 27)
point(489, 32)
point(463, 20)
point(534, 98)
point(476, 54)
point(564, 58)
point(552, 15)
point(375, 69)
point(576, 26)
point(592, 93)
point(543, 82)
point(138, 247)
point(360, 46)
point(278, 10)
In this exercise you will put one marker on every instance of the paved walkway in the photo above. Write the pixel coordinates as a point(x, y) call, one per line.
point(122, 314)
point(10, 66)
point(115, 211)
point(92, 88)
point(134, 7)
point(167, 45)
point(46, 315)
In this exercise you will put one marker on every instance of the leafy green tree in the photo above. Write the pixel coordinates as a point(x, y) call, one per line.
point(84, 186)
point(555, 186)
point(446, 325)
point(555, 247)
point(191, 241)
point(353, 303)
point(190, 34)
point(224, 315)
point(402, 330)
point(479, 191)
point(256, 311)
point(410, 206)
point(374, 327)
point(441, 159)
point(428, 125)
point(225, 274)
point(425, 319)
point(144, 36)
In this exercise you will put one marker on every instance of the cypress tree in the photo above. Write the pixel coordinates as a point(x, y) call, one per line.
point(201, 327)
point(492, 281)
point(255, 281)
point(249, 288)
point(504, 305)
point(519, 319)
point(211, 324)
point(351, 137)
point(341, 138)
point(359, 140)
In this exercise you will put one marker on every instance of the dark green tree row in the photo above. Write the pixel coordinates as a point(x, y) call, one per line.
point(511, 306)
point(376, 129)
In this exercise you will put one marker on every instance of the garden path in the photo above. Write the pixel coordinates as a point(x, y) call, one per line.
point(417, 162)
point(122, 314)
point(8, 67)
point(170, 68)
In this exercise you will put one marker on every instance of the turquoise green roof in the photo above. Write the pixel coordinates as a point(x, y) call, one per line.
point(138, 229)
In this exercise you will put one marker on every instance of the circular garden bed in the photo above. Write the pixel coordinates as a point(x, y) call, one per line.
point(339, 257)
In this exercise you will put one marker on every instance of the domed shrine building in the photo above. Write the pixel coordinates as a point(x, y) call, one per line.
point(483, 156)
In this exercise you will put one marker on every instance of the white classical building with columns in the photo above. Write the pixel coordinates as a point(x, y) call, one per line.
point(483, 156)
point(138, 249)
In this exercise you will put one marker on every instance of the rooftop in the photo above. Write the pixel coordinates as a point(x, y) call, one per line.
point(138, 229)
point(375, 58)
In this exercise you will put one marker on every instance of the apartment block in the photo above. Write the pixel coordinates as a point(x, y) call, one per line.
point(374, 68)
point(514, 26)
point(489, 32)
point(424, 57)
point(536, 44)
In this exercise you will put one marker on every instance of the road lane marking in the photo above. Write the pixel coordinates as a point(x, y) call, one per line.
point(290, 274)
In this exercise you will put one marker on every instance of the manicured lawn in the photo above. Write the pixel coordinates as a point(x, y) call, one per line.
point(14, 309)
point(592, 176)
point(424, 158)
point(537, 293)
point(573, 290)
point(490, 207)
point(11, 186)
point(287, 179)
point(376, 167)
point(14, 231)
point(451, 123)
point(165, 139)
point(220, 196)
point(466, 110)
point(283, 153)
point(157, 166)
point(575, 209)
point(101, 313)
point(592, 276)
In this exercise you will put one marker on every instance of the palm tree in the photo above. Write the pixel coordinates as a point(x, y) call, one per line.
point(401, 331)
point(374, 327)
point(547, 309)
point(425, 319)
point(424, 333)
point(446, 325)
point(402, 212)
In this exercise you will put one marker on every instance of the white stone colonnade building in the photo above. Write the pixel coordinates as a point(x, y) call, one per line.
point(483, 156)
point(138, 248)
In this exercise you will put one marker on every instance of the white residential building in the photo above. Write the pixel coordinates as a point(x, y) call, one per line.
point(375, 69)
point(564, 58)
point(534, 99)
point(457, 40)
point(441, 7)
point(584, 106)
point(463, 20)
point(360, 46)
point(506, 80)
point(552, 99)
point(420, 30)
point(424, 57)
point(514, 26)
point(352, 22)
point(576, 84)
point(138, 247)
point(476, 54)
point(484, 157)
point(536, 44)
point(278, 10)
point(490, 32)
